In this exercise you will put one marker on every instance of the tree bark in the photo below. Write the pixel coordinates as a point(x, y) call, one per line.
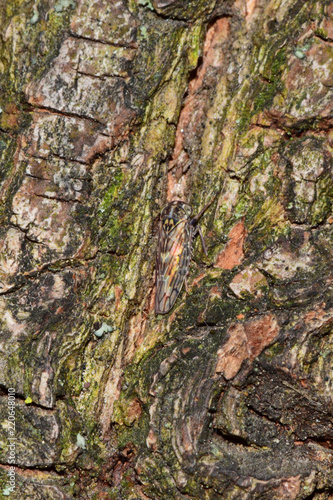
point(108, 111)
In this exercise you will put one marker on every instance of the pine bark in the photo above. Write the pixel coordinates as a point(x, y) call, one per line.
point(108, 111)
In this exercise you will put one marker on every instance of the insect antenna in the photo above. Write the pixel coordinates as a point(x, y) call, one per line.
point(195, 219)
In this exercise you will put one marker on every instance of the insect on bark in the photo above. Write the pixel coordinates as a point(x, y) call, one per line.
point(176, 231)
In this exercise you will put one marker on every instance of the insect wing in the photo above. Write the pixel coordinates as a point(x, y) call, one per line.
point(173, 259)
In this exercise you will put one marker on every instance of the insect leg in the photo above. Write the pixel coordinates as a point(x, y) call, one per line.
point(198, 230)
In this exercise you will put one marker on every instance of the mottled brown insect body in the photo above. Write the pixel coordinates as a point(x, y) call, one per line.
point(176, 231)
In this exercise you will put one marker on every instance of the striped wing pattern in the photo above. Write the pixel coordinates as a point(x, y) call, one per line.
point(173, 259)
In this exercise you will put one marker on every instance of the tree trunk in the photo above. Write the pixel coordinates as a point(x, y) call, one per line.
point(109, 110)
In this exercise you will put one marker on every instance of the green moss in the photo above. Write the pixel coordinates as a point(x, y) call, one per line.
point(169, 49)
point(242, 206)
point(321, 33)
point(266, 91)
point(275, 350)
point(115, 221)
point(71, 426)
point(8, 146)
point(161, 54)
point(322, 206)
point(245, 116)
point(112, 191)
point(194, 44)
point(36, 43)
point(136, 433)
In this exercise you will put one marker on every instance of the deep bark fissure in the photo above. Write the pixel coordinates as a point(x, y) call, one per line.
point(57, 198)
point(232, 386)
point(34, 107)
point(103, 42)
point(234, 439)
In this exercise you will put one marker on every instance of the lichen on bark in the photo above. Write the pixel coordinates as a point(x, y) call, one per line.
point(108, 111)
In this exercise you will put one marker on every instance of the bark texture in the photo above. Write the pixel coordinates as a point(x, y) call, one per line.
point(108, 110)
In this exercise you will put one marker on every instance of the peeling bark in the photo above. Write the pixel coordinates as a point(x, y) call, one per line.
point(107, 111)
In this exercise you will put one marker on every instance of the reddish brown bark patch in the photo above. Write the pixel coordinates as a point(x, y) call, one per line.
point(118, 293)
point(246, 341)
point(10, 118)
point(193, 112)
point(134, 411)
point(233, 253)
point(248, 281)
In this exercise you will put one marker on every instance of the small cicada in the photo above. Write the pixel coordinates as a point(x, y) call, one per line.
point(176, 231)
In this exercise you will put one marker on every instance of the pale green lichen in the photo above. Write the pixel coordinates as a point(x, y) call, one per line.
point(63, 4)
point(35, 17)
point(80, 441)
point(122, 228)
point(103, 329)
point(146, 3)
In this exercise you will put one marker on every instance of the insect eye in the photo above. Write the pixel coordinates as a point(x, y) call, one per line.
point(168, 224)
